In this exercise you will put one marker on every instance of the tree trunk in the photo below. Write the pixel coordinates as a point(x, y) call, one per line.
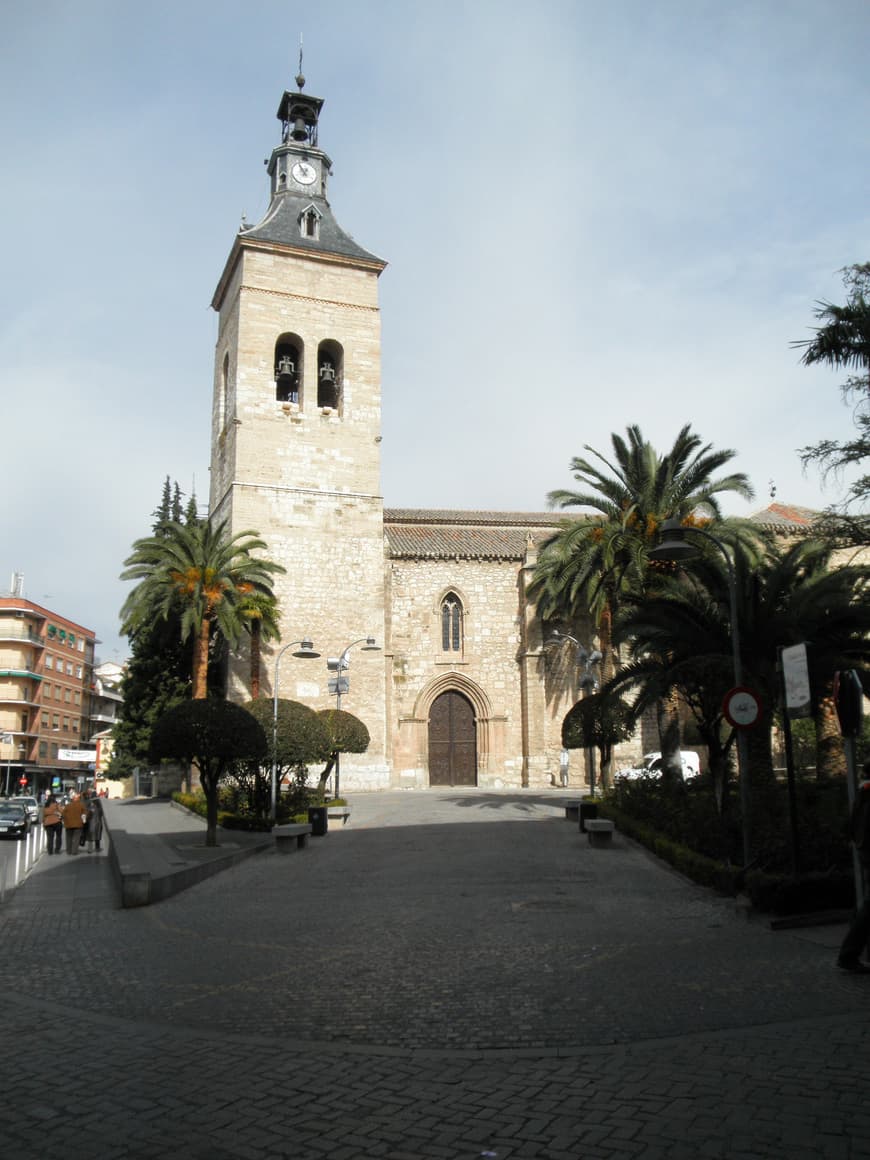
point(210, 789)
point(830, 752)
point(326, 772)
point(669, 739)
point(255, 659)
point(200, 661)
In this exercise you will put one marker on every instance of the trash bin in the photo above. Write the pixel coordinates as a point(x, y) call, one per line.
point(318, 817)
point(588, 811)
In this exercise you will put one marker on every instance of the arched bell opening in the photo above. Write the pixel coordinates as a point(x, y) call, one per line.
point(330, 373)
point(288, 369)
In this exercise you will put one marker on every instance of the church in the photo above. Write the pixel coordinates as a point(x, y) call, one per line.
point(458, 689)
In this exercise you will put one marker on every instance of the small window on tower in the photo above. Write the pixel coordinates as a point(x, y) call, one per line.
point(309, 222)
point(225, 388)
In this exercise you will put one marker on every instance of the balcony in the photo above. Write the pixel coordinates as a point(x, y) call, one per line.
point(16, 633)
point(17, 697)
point(103, 719)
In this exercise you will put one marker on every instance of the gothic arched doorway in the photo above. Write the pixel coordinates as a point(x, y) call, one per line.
point(452, 741)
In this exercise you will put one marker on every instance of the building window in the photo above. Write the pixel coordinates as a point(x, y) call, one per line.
point(57, 692)
point(79, 671)
point(67, 695)
point(49, 662)
point(225, 388)
point(451, 623)
point(43, 749)
point(75, 724)
point(46, 693)
point(69, 668)
point(309, 222)
point(55, 722)
point(45, 720)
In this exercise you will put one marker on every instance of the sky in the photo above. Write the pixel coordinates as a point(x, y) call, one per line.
point(594, 215)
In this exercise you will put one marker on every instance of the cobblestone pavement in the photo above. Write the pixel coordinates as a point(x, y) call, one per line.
point(451, 976)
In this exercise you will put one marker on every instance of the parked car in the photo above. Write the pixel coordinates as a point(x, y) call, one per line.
point(651, 766)
point(14, 820)
point(31, 805)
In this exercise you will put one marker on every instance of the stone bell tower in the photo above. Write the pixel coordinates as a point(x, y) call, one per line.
point(296, 424)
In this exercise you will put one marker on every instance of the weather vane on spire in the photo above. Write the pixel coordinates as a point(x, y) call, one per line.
point(300, 79)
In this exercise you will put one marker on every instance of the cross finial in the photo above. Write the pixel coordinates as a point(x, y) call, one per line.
point(300, 79)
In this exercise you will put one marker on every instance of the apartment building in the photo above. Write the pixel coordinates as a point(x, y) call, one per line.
point(46, 675)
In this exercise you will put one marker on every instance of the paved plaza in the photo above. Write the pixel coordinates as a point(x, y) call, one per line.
point(452, 975)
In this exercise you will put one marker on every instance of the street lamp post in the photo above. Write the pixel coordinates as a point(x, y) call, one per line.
point(305, 649)
point(340, 684)
point(587, 659)
point(7, 739)
point(673, 546)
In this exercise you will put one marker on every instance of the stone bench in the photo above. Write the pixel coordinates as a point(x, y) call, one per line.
point(293, 836)
point(599, 831)
point(338, 814)
point(572, 811)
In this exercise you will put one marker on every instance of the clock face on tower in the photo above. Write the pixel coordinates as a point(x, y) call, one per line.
point(304, 173)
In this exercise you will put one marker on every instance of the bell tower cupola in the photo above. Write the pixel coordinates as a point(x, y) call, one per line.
point(297, 164)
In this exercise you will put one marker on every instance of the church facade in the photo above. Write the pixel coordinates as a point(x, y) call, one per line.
point(460, 691)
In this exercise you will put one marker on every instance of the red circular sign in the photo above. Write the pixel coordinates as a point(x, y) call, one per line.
point(742, 707)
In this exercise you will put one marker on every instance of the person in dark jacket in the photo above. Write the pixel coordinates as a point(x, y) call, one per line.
point(855, 942)
point(73, 820)
point(93, 833)
point(52, 822)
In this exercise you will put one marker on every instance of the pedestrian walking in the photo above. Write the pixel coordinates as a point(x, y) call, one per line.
point(93, 830)
point(52, 823)
point(73, 821)
point(855, 942)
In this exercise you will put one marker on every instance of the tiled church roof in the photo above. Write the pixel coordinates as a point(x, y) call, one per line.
point(426, 534)
point(783, 517)
point(445, 534)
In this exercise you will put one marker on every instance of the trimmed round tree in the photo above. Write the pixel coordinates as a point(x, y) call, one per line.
point(346, 734)
point(302, 740)
point(210, 735)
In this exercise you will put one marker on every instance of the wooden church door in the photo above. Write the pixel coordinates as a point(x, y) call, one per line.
point(452, 741)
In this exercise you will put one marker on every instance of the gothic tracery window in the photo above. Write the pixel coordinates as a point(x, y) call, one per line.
point(451, 623)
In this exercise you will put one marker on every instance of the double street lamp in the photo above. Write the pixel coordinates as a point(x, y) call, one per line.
point(305, 649)
point(340, 684)
point(674, 546)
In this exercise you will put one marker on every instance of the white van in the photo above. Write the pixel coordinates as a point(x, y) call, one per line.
point(651, 766)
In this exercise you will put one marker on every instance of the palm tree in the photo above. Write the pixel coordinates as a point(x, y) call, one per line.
point(594, 562)
point(843, 342)
point(205, 571)
point(680, 636)
point(591, 561)
point(259, 613)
